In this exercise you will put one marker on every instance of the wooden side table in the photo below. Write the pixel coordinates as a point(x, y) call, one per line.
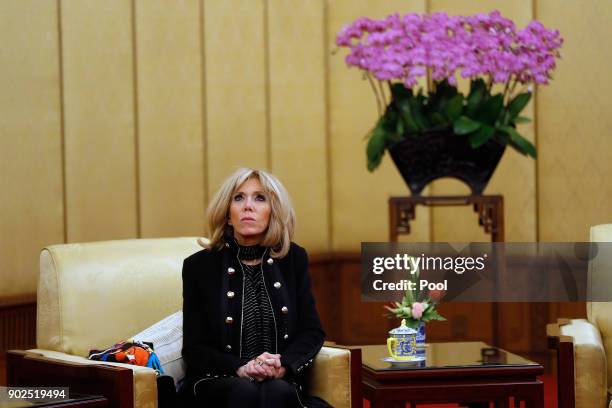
point(469, 373)
point(490, 209)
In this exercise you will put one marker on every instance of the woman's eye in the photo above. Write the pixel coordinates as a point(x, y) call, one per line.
point(238, 197)
point(260, 197)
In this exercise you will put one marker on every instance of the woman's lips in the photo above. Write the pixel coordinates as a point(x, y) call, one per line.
point(247, 219)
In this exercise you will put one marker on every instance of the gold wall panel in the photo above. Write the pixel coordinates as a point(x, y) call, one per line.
point(31, 203)
point(514, 177)
point(298, 128)
point(99, 119)
point(359, 198)
point(162, 100)
point(170, 138)
point(235, 88)
point(574, 123)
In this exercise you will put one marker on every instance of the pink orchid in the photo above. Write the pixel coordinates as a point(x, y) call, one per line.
point(406, 48)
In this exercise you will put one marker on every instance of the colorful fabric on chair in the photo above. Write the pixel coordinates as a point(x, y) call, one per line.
point(129, 352)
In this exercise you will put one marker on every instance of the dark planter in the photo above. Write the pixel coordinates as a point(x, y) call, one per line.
point(437, 154)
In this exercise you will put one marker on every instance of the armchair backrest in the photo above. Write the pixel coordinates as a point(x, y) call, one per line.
point(94, 294)
point(600, 313)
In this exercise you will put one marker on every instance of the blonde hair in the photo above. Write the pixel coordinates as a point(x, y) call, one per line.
point(282, 217)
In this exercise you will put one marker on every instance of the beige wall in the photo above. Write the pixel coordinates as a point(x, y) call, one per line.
point(120, 118)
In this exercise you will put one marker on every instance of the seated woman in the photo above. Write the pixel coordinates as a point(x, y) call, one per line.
point(251, 329)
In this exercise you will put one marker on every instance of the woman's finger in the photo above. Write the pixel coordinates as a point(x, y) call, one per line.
point(260, 370)
point(271, 359)
point(252, 369)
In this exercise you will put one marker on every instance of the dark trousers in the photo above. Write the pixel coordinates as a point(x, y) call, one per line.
point(237, 392)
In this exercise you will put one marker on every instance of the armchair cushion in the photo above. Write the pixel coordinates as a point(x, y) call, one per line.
point(590, 379)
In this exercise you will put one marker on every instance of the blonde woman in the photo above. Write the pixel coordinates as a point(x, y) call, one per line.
point(251, 328)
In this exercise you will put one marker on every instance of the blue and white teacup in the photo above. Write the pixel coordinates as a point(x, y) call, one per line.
point(401, 343)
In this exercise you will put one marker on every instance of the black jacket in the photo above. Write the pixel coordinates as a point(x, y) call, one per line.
point(212, 305)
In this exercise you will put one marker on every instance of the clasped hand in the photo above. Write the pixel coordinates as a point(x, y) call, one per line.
point(265, 366)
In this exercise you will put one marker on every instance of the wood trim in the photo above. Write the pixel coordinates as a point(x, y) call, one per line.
point(564, 345)
point(31, 369)
point(499, 373)
point(17, 322)
point(89, 403)
point(356, 396)
point(331, 257)
point(11, 302)
point(473, 392)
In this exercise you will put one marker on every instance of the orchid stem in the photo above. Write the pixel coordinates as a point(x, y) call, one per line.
point(513, 86)
point(378, 101)
point(506, 88)
point(382, 92)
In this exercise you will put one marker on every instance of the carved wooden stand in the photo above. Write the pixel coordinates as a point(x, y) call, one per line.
point(490, 209)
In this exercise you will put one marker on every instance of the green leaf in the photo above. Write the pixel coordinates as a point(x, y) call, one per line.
point(489, 110)
point(519, 142)
point(481, 136)
point(521, 119)
point(410, 125)
point(399, 130)
point(465, 125)
point(434, 315)
point(400, 92)
point(389, 120)
point(445, 90)
point(413, 324)
point(454, 107)
point(416, 108)
point(518, 104)
point(376, 147)
point(437, 119)
point(478, 89)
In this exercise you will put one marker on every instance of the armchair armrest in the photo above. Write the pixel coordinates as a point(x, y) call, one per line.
point(125, 386)
point(581, 363)
point(336, 376)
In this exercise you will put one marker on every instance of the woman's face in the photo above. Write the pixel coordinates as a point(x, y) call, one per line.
point(250, 212)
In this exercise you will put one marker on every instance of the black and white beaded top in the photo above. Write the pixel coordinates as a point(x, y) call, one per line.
point(258, 319)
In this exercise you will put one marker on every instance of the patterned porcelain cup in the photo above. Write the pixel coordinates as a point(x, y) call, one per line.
point(402, 342)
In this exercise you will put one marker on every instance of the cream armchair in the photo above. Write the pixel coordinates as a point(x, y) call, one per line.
point(584, 347)
point(95, 294)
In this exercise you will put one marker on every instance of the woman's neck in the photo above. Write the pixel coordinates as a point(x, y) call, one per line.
point(250, 253)
point(247, 241)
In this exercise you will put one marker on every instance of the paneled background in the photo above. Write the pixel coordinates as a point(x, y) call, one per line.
point(120, 118)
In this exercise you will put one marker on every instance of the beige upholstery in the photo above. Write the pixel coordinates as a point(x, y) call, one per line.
point(124, 285)
point(335, 387)
point(593, 338)
point(600, 313)
point(590, 379)
point(95, 294)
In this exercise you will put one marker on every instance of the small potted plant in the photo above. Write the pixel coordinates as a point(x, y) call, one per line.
point(444, 132)
point(417, 308)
